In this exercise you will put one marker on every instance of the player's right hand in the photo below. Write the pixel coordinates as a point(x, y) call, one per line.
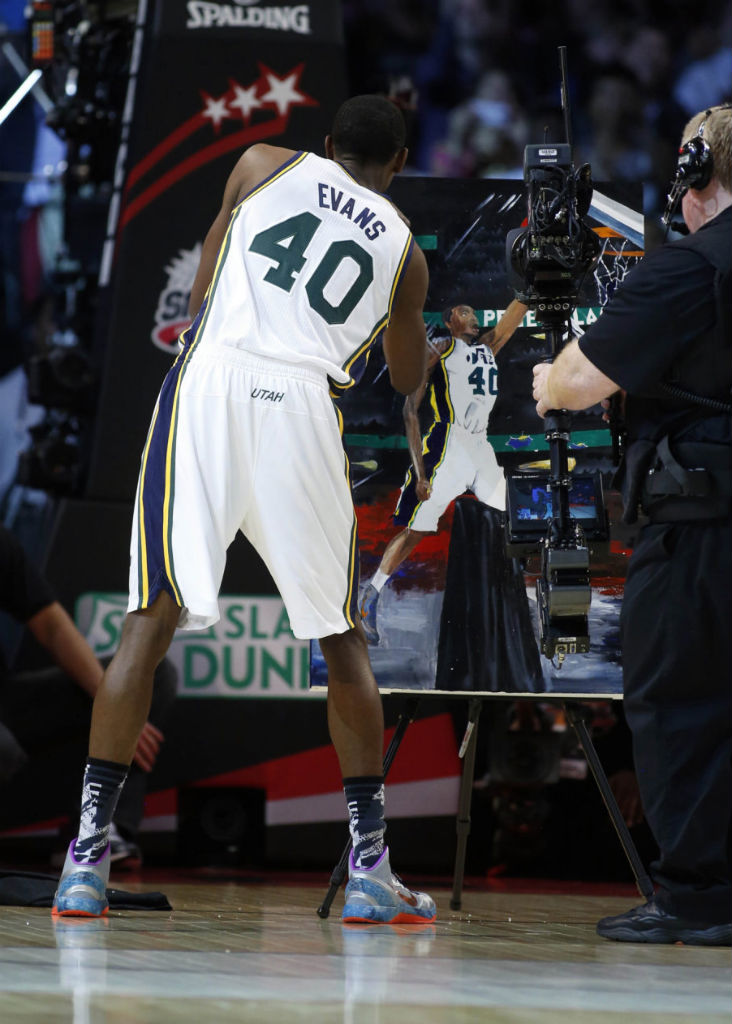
point(424, 489)
point(475, 419)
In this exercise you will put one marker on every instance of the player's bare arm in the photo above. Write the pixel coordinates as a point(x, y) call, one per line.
point(55, 630)
point(411, 418)
point(411, 428)
point(405, 338)
point(570, 382)
point(506, 327)
point(253, 166)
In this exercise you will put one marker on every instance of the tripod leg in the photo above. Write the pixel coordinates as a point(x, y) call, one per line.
point(467, 752)
point(643, 882)
point(337, 878)
point(340, 871)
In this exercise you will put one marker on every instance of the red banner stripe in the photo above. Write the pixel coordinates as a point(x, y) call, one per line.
point(204, 156)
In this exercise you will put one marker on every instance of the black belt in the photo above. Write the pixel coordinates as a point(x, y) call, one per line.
point(688, 510)
point(694, 483)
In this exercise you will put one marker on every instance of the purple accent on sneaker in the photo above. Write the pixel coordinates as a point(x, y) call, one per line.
point(373, 866)
point(99, 860)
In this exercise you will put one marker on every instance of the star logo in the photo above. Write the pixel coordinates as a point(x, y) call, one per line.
point(245, 100)
point(283, 93)
point(259, 110)
point(215, 111)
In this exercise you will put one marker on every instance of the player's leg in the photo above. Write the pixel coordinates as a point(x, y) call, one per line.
point(121, 707)
point(417, 514)
point(125, 852)
point(356, 724)
point(186, 513)
point(398, 548)
point(489, 484)
point(122, 703)
point(303, 524)
point(355, 716)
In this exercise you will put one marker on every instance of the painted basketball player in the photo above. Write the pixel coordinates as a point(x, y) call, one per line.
point(455, 455)
point(305, 265)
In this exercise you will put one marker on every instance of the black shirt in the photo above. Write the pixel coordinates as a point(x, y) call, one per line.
point(661, 309)
point(23, 590)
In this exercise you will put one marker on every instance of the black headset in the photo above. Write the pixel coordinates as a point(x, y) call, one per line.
point(694, 169)
point(695, 163)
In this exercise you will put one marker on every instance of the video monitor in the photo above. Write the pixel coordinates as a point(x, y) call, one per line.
point(529, 508)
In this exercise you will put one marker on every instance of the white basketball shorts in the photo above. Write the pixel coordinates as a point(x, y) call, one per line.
point(456, 461)
point(240, 442)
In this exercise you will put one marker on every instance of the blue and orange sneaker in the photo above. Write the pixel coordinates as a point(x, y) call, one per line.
point(377, 896)
point(367, 602)
point(82, 890)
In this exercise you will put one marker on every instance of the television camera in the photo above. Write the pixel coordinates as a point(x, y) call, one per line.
point(556, 513)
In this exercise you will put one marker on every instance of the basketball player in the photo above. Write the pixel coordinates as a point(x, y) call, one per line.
point(305, 265)
point(455, 455)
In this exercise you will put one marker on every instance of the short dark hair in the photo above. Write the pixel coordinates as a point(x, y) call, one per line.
point(447, 313)
point(370, 128)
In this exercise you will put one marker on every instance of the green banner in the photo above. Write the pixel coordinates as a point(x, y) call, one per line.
point(250, 652)
point(501, 442)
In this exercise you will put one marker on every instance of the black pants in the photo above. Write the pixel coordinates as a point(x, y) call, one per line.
point(676, 632)
point(44, 741)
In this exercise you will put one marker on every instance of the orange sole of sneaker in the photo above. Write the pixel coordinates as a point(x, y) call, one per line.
point(399, 919)
point(77, 913)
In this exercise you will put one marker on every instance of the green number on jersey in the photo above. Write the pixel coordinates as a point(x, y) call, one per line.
point(477, 380)
point(322, 274)
point(290, 258)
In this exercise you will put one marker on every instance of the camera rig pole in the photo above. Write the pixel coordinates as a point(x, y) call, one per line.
point(563, 588)
point(547, 262)
point(565, 94)
point(557, 424)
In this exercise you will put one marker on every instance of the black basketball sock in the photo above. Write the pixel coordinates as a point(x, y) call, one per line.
point(365, 798)
point(103, 781)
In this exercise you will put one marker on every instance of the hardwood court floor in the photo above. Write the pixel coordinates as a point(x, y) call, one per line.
point(255, 951)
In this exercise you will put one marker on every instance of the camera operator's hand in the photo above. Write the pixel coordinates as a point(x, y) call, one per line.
point(613, 407)
point(541, 373)
point(570, 382)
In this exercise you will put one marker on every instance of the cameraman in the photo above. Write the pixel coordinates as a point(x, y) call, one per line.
point(666, 339)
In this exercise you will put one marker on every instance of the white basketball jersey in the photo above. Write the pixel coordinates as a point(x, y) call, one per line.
point(308, 270)
point(465, 385)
